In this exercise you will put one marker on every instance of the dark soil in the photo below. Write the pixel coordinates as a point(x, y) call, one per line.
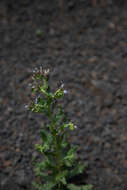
point(84, 46)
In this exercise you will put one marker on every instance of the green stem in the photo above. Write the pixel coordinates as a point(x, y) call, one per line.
point(56, 147)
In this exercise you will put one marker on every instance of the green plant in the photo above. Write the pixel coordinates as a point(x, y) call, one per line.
point(59, 164)
point(39, 33)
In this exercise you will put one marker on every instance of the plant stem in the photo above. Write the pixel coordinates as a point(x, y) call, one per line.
point(56, 147)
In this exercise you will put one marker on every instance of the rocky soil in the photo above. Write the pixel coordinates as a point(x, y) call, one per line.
point(84, 46)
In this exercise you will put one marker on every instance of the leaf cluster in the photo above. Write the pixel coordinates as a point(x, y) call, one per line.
point(60, 162)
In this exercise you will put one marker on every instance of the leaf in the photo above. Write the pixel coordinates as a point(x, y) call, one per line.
point(40, 101)
point(44, 135)
point(79, 168)
point(47, 138)
point(49, 185)
point(73, 187)
point(37, 186)
point(46, 186)
point(82, 187)
point(42, 148)
point(59, 115)
point(40, 174)
point(87, 187)
point(39, 32)
point(70, 125)
point(70, 157)
point(41, 165)
point(70, 154)
point(59, 93)
point(61, 177)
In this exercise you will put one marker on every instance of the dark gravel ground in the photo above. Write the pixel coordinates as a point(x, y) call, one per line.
point(84, 46)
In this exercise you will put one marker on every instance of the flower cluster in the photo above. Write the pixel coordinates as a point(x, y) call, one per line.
point(60, 164)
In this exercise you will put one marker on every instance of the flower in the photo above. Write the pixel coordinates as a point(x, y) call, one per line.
point(46, 72)
point(26, 106)
point(36, 100)
point(35, 70)
point(65, 91)
point(75, 126)
point(40, 71)
point(62, 85)
point(30, 84)
point(33, 86)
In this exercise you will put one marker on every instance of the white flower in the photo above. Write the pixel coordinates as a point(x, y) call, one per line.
point(62, 85)
point(75, 126)
point(65, 91)
point(30, 84)
point(26, 106)
point(36, 100)
point(35, 70)
point(33, 86)
point(46, 71)
point(41, 70)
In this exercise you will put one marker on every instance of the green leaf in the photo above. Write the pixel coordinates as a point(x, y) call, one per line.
point(61, 177)
point(64, 145)
point(78, 169)
point(46, 186)
point(44, 135)
point(40, 173)
point(69, 159)
point(87, 187)
point(70, 154)
point(73, 187)
point(43, 90)
point(81, 187)
point(37, 186)
point(41, 165)
point(42, 148)
point(59, 93)
point(39, 32)
point(59, 116)
point(70, 125)
point(49, 185)
point(40, 101)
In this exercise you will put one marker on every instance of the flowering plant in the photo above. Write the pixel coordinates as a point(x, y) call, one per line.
point(59, 164)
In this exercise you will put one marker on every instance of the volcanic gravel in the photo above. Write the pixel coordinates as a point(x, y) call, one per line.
point(86, 48)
